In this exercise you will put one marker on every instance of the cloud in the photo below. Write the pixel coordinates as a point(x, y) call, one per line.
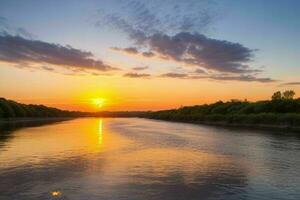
point(20, 51)
point(6, 28)
point(199, 71)
point(134, 51)
point(148, 54)
point(247, 78)
point(136, 75)
point(130, 50)
point(290, 84)
point(176, 31)
point(175, 75)
point(140, 68)
point(155, 16)
point(48, 68)
point(198, 50)
point(221, 77)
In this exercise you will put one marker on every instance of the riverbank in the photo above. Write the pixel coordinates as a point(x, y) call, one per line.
point(15, 123)
point(27, 120)
point(278, 114)
point(269, 127)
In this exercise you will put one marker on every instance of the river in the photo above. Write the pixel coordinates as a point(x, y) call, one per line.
point(142, 159)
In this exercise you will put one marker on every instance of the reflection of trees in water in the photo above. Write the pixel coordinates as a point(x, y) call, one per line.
point(8, 128)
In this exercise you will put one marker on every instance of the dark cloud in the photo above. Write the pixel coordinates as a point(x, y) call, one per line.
point(290, 84)
point(130, 50)
point(136, 75)
point(199, 50)
point(175, 31)
point(175, 75)
point(140, 68)
point(47, 68)
point(18, 50)
point(199, 71)
point(148, 54)
point(248, 78)
point(134, 51)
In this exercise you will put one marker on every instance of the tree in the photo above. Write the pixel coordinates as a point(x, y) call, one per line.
point(1, 112)
point(288, 94)
point(277, 96)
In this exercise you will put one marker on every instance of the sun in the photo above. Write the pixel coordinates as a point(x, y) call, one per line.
point(99, 102)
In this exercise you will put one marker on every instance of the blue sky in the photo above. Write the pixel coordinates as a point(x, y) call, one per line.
point(270, 26)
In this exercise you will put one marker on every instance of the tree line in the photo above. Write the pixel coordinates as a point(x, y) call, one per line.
point(282, 109)
point(12, 109)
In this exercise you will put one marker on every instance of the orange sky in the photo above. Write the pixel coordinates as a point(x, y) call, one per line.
point(120, 93)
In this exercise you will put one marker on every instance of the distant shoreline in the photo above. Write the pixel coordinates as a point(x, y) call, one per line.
point(270, 127)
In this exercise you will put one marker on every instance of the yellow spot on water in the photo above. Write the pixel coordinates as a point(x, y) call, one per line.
point(56, 193)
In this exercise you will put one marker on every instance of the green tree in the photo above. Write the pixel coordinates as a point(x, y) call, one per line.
point(288, 94)
point(277, 96)
point(8, 111)
point(1, 112)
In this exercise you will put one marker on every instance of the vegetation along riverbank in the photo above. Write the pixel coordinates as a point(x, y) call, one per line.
point(281, 112)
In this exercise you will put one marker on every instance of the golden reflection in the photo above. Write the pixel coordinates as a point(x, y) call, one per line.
point(56, 193)
point(100, 134)
point(60, 141)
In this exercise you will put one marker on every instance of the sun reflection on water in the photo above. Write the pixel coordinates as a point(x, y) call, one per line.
point(100, 134)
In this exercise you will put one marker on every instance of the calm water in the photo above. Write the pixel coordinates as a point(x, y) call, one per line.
point(137, 159)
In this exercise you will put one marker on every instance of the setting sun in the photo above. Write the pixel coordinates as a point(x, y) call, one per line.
point(99, 102)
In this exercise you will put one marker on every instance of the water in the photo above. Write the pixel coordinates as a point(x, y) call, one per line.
point(137, 159)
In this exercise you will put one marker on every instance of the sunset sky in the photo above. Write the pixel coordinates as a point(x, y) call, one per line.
point(147, 55)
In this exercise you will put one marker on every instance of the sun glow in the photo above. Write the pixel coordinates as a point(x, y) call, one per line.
point(99, 102)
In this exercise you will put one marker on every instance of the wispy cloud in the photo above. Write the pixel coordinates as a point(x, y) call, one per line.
point(148, 54)
point(27, 52)
point(297, 83)
point(130, 50)
point(136, 75)
point(6, 28)
point(221, 77)
point(134, 51)
point(48, 68)
point(159, 16)
point(175, 75)
point(199, 71)
point(177, 33)
point(247, 78)
point(140, 68)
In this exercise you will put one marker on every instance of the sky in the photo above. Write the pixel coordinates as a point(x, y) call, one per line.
point(147, 55)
